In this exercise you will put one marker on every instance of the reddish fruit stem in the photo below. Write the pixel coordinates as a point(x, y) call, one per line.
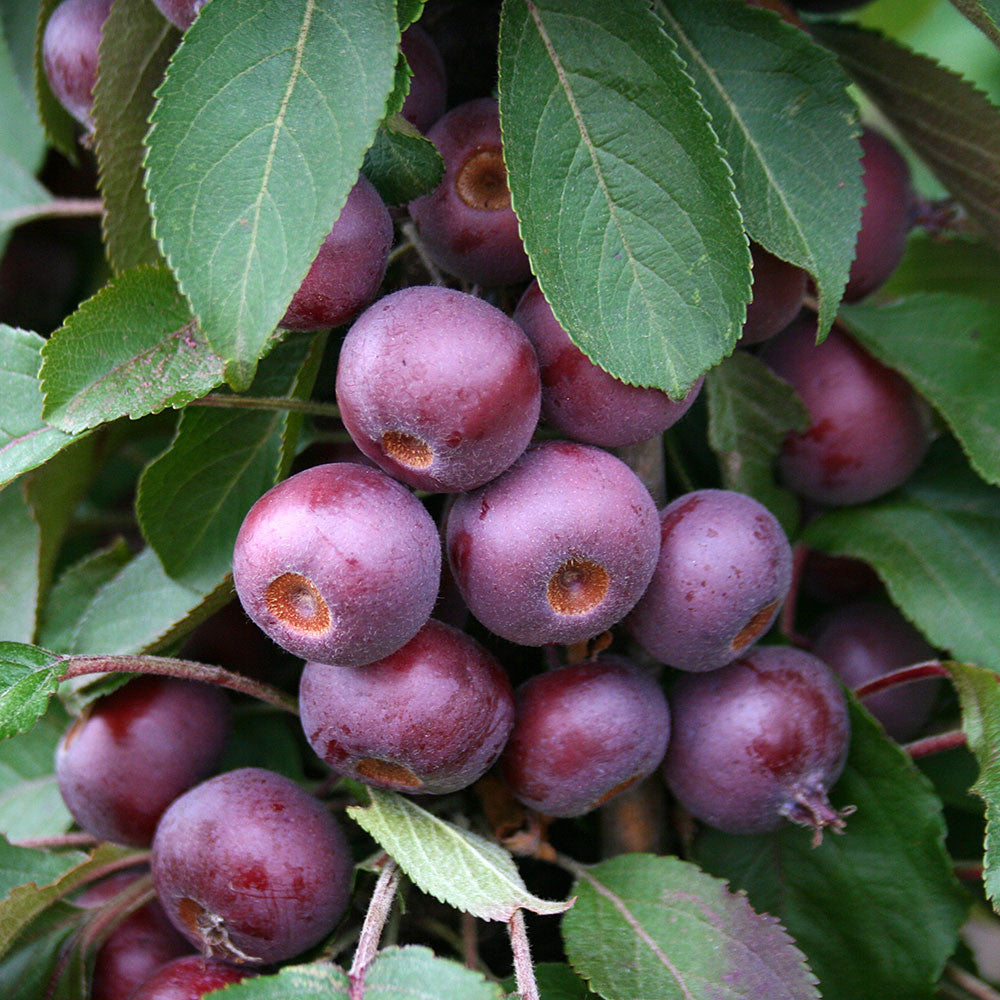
point(904, 675)
point(935, 744)
point(54, 843)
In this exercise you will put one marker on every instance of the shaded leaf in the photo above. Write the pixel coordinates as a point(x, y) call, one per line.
point(20, 24)
point(780, 107)
point(624, 200)
point(948, 122)
point(415, 973)
point(193, 498)
point(850, 902)
point(135, 48)
point(59, 125)
point(458, 867)
point(935, 543)
point(750, 410)
point(401, 163)
point(956, 266)
point(19, 547)
point(27, 970)
point(984, 14)
point(319, 981)
point(22, 198)
point(26, 440)
point(242, 202)
point(647, 926)
point(131, 350)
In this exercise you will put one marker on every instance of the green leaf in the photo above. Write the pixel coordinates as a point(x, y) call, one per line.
point(962, 381)
point(59, 125)
point(22, 198)
point(242, 202)
point(780, 107)
point(142, 610)
point(948, 123)
point(415, 973)
point(27, 970)
point(21, 137)
point(28, 677)
point(20, 24)
point(402, 164)
point(73, 592)
point(851, 902)
point(30, 802)
point(25, 439)
point(955, 266)
point(979, 695)
point(31, 880)
point(136, 45)
point(984, 14)
point(750, 410)
point(270, 741)
point(19, 545)
point(458, 867)
point(320, 981)
point(625, 203)
point(935, 542)
point(408, 11)
point(193, 498)
point(131, 350)
point(555, 982)
point(647, 926)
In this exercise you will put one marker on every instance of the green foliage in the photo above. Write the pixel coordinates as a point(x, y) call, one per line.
point(28, 677)
point(401, 163)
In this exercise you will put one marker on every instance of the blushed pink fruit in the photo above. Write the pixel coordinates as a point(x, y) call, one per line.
point(189, 979)
point(69, 53)
point(180, 12)
point(779, 289)
point(558, 548)
point(338, 563)
point(425, 103)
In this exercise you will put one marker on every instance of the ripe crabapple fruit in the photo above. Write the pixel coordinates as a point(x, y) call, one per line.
point(425, 102)
point(438, 387)
point(250, 868)
point(338, 563)
point(583, 734)
point(431, 717)
point(558, 548)
point(758, 742)
point(724, 568)
point(188, 978)
point(131, 753)
point(180, 12)
point(779, 289)
point(582, 400)
point(69, 53)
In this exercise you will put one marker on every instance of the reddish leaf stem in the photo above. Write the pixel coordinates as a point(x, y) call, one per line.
point(904, 675)
point(224, 401)
point(524, 969)
point(54, 843)
point(968, 871)
point(77, 666)
point(935, 744)
point(58, 208)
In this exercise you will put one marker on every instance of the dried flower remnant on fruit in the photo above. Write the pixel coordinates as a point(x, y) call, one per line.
point(292, 599)
point(578, 586)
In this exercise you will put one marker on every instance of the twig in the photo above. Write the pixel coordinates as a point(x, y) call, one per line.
point(54, 843)
point(524, 969)
point(935, 744)
point(379, 908)
point(234, 402)
point(971, 984)
point(410, 232)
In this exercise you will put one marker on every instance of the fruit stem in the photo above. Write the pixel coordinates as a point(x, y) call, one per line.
point(410, 232)
point(235, 402)
point(55, 209)
point(973, 986)
point(470, 942)
point(968, 871)
point(935, 744)
point(54, 843)
point(524, 969)
point(904, 675)
point(379, 908)
point(77, 666)
point(676, 463)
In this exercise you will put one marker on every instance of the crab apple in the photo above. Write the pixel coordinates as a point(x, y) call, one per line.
point(180, 12)
point(188, 978)
point(868, 430)
point(885, 218)
point(865, 640)
point(582, 400)
point(131, 753)
point(143, 942)
point(583, 734)
point(432, 717)
point(346, 274)
point(779, 289)
point(758, 742)
point(250, 868)
point(338, 563)
point(466, 223)
point(69, 53)
point(425, 103)
point(438, 387)
point(724, 568)
point(558, 548)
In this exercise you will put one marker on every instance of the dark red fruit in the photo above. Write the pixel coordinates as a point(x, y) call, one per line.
point(338, 563)
point(425, 103)
point(130, 754)
point(143, 942)
point(779, 289)
point(69, 53)
point(582, 400)
point(758, 742)
point(466, 223)
point(866, 640)
point(440, 388)
point(180, 12)
point(432, 717)
point(558, 548)
point(885, 219)
point(188, 979)
point(583, 734)
point(724, 568)
point(250, 868)
point(836, 579)
point(868, 431)
point(349, 268)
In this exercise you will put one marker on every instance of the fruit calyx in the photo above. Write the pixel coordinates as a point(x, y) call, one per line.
point(809, 806)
